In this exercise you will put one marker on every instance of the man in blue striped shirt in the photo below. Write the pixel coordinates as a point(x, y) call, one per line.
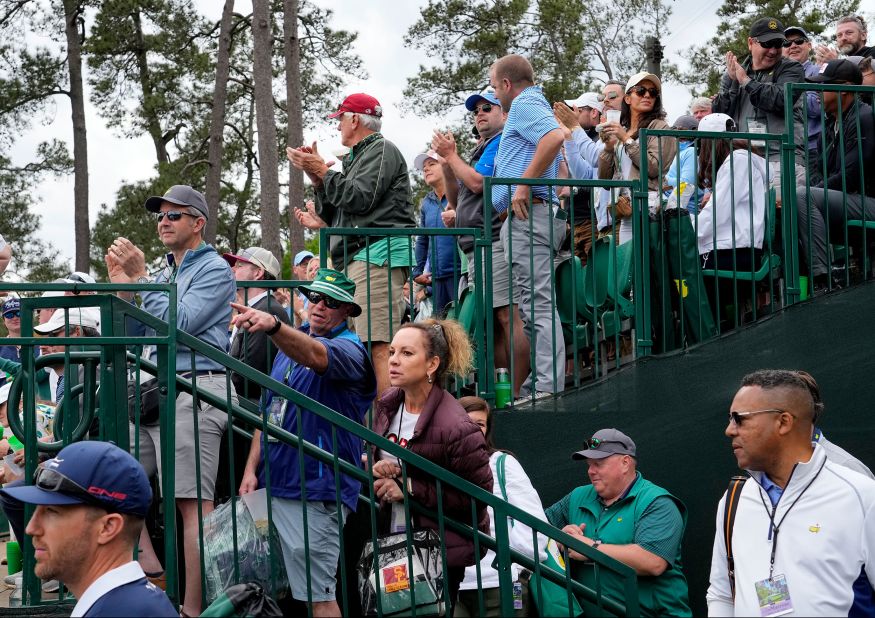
point(529, 148)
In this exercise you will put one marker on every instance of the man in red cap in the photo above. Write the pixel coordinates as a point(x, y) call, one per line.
point(372, 190)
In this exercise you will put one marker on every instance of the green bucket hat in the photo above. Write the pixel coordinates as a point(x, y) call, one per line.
point(336, 285)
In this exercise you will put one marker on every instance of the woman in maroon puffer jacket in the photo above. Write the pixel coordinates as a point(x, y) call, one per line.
point(420, 415)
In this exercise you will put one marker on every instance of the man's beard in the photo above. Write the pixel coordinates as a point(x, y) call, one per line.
point(848, 49)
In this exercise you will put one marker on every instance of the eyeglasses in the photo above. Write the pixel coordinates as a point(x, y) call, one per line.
point(11, 315)
point(789, 42)
point(173, 215)
point(485, 108)
point(49, 479)
point(610, 96)
point(641, 90)
point(738, 417)
point(773, 44)
point(594, 443)
point(316, 298)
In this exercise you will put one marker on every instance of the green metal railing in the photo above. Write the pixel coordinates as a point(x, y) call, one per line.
point(109, 361)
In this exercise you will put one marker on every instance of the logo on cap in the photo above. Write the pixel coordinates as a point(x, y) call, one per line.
point(330, 278)
point(773, 25)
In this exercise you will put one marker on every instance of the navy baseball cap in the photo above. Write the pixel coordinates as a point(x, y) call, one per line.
point(181, 195)
point(96, 473)
point(11, 304)
point(487, 95)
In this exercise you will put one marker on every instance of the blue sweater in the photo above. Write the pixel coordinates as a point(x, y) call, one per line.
point(440, 251)
point(205, 287)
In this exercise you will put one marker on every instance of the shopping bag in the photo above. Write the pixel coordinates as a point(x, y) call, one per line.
point(393, 577)
point(257, 546)
point(550, 598)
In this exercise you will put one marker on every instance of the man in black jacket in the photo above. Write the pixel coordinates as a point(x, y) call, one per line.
point(254, 349)
point(848, 192)
point(752, 92)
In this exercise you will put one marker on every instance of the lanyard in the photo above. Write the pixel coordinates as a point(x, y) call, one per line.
point(775, 528)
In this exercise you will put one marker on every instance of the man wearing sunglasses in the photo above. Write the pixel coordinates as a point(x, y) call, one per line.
point(326, 362)
point(205, 288)
point(91, 503)
point(629, 519)
point(803, 538)
point(752, 92)
point(12, 322)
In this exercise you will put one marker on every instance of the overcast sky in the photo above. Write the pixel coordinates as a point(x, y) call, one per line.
point(381, 26)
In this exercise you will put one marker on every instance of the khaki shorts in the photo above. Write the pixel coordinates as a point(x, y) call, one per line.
point(500, 276)
point(211, 425)
point(385, 314)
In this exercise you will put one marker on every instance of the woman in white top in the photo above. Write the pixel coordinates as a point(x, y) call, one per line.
point(735, 214)
point(519, 492)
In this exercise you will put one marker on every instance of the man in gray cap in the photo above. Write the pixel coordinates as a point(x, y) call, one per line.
point(254, 349)
point(631, 520)
point(205, 289)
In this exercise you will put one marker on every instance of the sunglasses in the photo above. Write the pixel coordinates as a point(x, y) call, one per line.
point(641, 90)
point(738, 417)
point(49, 479)
point(485, 108)
point(594, 443)
point(173, 215)
point(11, 315)
point(790, 42)
point(775, 44)
point(610, 96)
point(316, 298)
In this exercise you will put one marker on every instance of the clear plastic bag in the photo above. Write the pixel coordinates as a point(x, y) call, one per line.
point(392, 575)
point(254, 553)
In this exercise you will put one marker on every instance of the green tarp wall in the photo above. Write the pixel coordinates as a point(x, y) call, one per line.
point(675, 408)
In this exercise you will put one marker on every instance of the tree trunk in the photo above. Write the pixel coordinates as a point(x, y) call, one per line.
point(266, 124)
point(152, 123)
point(80, 140)
point(295, 135)
point(217, 122)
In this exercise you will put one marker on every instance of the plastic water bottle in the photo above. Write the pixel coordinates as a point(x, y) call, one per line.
point(502, 388)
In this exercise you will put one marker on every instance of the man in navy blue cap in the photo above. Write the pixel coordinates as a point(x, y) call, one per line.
point(91, 502)
point(464, 186)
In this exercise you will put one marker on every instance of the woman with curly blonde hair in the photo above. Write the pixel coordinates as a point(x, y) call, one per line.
point(419, 415)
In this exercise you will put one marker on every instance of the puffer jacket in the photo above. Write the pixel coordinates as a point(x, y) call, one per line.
point(446, 436)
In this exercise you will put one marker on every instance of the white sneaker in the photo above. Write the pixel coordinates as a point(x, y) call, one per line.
point(13, 580)
point(529, 399)
point(51, 586)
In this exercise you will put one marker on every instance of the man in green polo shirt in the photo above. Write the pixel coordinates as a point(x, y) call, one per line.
point(631, 520)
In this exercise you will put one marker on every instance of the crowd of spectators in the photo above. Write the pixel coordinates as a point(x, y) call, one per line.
point(357, 334)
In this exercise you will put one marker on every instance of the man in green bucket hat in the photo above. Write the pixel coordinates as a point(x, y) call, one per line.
point(327, 362)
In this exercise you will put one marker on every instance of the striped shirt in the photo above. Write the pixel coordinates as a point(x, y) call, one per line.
point(530, 118)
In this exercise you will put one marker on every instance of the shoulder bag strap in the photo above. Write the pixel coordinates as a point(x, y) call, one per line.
point(733, 493)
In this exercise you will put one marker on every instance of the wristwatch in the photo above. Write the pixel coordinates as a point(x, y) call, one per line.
point(144, 279)
point(596, 543)
point(629, 141)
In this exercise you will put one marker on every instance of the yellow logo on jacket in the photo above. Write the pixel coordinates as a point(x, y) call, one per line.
point(814, 529)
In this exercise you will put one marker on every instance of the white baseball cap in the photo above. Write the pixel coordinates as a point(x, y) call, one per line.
point(419, 161)
point(78, 316)
point(587, 99)
point(717, 122)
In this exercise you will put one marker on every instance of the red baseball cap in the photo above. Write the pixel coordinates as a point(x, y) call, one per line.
point(359, 103)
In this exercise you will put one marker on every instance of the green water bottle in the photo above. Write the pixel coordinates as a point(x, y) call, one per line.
point(15, 443)
point(502, 388)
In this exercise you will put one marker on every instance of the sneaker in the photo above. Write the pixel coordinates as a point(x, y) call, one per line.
point(51, 586)
point(13, 580)
point(530, 399)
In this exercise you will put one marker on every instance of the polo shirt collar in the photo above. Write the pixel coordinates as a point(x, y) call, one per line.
point(119, 576)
